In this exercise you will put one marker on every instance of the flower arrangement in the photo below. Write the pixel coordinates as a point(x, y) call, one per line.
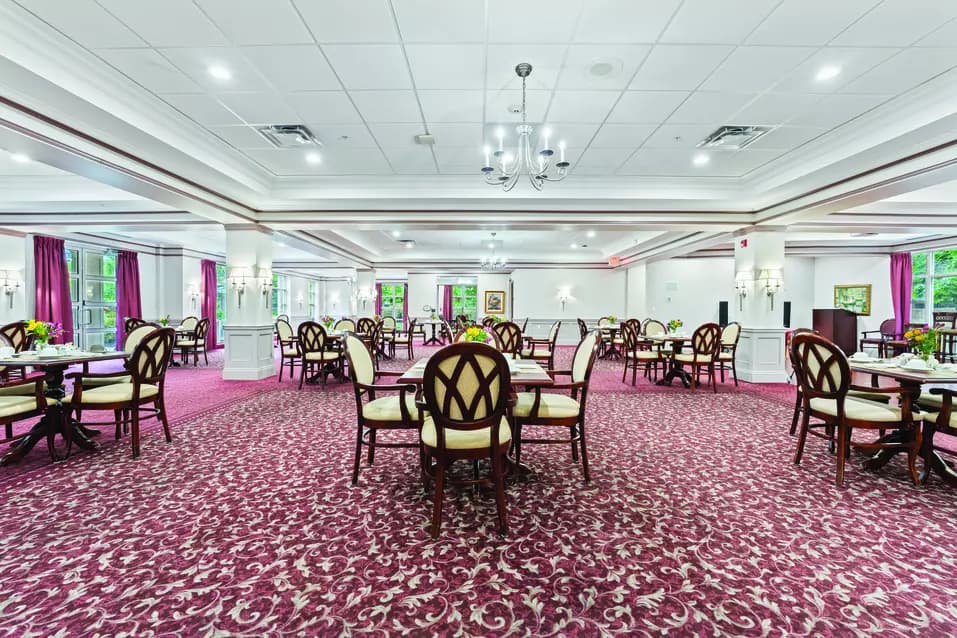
point(43, 331)
point(476, 334)
point(494, 319)
point(327, 321)
point(612, 319)
point(164, 321)
point(922, 341)
point(674, 324)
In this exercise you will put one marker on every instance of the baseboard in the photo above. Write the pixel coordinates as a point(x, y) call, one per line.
point(249, 374)
point(768, 376)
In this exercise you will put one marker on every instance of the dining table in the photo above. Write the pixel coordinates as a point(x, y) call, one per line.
point(675, 370)
point(608, 334)
point(913, 381)
point(55, 420)
point(434, 339)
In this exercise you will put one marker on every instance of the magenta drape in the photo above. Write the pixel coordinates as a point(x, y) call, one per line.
point(128, 302)
point(208, 311)
point(901, 282)
point(447, 303)
point(378, 299)
point(53, 284)
point(405, 307)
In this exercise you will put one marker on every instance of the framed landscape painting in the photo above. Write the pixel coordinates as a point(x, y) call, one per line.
point(853, 297)
point(494, 302)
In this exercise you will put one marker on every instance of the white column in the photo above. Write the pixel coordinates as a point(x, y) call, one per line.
point(759, 272)
point(248, 327)
point(298, 301)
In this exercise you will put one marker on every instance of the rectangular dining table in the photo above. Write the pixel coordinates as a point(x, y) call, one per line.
point(913, 381)
point(523, 373)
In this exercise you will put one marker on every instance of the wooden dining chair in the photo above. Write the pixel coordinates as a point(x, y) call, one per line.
point(450, 332)
point(705, 345)
point(543, 350)
point(194, 343)
point(509, 339)
point(345, 325)
point(823, 372)
point(582, 328)
point(466, 392)
point(316, 359)
point(375, 413)
point(132, 323)
point(886, 332)
point(638, 354)
point(551, 410)
point(130, 342)
point(728, 354)
point(19, 400)
point(365, 325)
point(405, 339)
point(19, 339)
point(289, 354)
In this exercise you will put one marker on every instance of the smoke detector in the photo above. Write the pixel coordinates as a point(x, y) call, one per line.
point(289, 135)
point(733, 138)
point(426, 139)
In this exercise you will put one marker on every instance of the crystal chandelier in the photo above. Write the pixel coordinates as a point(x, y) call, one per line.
point(493, 262)
point(509, 166)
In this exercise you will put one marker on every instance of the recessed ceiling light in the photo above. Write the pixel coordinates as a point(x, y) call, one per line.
point(828, 72)
point(701, 159)
point(590, 233)
point(409, 245)
point(396, 233)
point(313, 158)
point(20, 158)
point(219, 72)
point(574, 246)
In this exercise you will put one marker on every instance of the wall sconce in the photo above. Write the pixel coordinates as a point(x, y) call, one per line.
point(772, 281)
point(564, 296)
point(265, 286)
point(11, 284)
point(334, 300)
point(193, 293)
point(366, 295)
point(300, 300)
point(238, 283)
point(742, 281)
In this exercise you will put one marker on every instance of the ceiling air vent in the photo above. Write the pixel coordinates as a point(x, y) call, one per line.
point(733, 138)
point(289, 135)
point(408, 243)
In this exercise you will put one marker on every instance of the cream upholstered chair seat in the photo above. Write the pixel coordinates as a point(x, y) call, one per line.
point(97, 382)
point(18, 390)
point(325, 355)
point(870, 396)
point(931, 400)
point(527, 352)
point(550, 405)
point(290, 352)
point(464, 439)
point(931, 417)
point(12, 405)
point(692, 358)
point(725, 356)
point(389, 409)
point(116, 393)
point(645, 355)
point(858, 409)
point(191, 342)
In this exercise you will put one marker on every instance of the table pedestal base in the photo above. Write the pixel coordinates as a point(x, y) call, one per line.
point(51, 424)
point(675, 372)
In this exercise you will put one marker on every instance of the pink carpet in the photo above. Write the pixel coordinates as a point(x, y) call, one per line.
point(696, 523)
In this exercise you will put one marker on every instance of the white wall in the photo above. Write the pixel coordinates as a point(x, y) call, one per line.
point(636, 289)
point(422, 292)
point(149, 285)
point(487, 281)
point(874, 270)
point(13, 259)
point(335, 296)
point(593, 293)
point(690, 289)
point(798, 289)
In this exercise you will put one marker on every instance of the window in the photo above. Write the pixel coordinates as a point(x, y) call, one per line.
point(311, 288)
point(463, 301)
point(393, 298)
point(93, 294)
point(918, 293)
point(220, 301)
point(934, 286)
point(280, 295)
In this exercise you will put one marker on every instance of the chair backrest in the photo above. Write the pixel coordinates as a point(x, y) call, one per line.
point(631, 335)
point(524, 325)
point(489, 321)
point(16, 334)
point(136, 335)
point(189, 322)
point(889, 328)
point(654, 328)
point(553, 333)
point(345, 324)
point(361, 365)
point(202, 328)
point(283, 317)
point(821, 367)
point(365, 325)
point(582, 328)
point(943, 319)
point(584, 359)
point(462, 321)
point(509, 337)
point(706, 340)
point(132, 323)
point(604, 321)
point(413, 322)
point(466, 386)
point(730, 334)
point(388, 324)
point(449, 329)
point(150, 357)
point(312, 337)
point(283, 329)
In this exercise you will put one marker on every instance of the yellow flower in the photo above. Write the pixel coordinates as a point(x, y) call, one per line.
point(32, 324)
point(919, 337)
point(909, 334)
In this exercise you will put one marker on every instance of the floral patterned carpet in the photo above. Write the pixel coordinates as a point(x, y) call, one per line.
point(695, 523)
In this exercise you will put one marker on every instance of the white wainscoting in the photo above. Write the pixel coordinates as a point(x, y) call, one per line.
point(760, 356)
point(567, 335)
point(249, 352)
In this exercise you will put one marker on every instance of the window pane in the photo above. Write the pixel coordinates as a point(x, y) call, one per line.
point(918, 263)
point(100, 264)
point(72, 261)
point(101, 291)
point(945, 262)
point(945, 292)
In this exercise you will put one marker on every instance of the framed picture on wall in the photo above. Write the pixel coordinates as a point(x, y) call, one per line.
point(494, 302)
point(853, 297)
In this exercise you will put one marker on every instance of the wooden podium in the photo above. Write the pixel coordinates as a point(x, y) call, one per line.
point(840, 326)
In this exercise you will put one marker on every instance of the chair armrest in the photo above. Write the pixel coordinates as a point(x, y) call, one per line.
point(101, 375)
point(945, 392)
point(388, 373)
point(864, 333)
point(407, 387)
point(864, 388)
point(553, 373)
point(577, 385)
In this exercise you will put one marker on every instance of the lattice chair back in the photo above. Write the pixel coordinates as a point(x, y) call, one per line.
point(361, 365)
point(312, 337)
point(365, 325)
point(466, 386)
point(202, 329)
point(553, 333)
point(133, 338)
point(16, 334)
point(150, 358)
point(631, 336)
point(654, 328)
point(706, 340)
point(821, 367)
point(346, 325)
point(582, 328)
point(132, 323)
point(509, 337)
point(730, 334)
point(584, 358)
point(189, 323)
point(283, 329)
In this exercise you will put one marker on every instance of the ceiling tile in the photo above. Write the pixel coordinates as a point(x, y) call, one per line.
point(369, 66)
point(661, 162)
point(440, 20)
point(202, 108)
point(447, 66)
point(786, 138)
point(776, 108)
point(610, 158)
point(451, 106)
point(574, 135)
point(809, 22)
point(324, 107)
point(546, 61)
point(196, 63)
point(945, 36)
point(533, 21)
point(679, 67)
point(709, 22)
point(171, 23)
point(622, 135)
point(257, 21)
point(416, 160)
point(755, 68)
point(359, 161)
point(647, 107)
point(619, 60)
point(243, 137)
point(904, 71)
point(710, 108)
point(853, 62)
point(260, 108)
point(459, 134)
point(349, 21)
point(293, 67)
point(742, 162)
point(499, 105)
point(85, 21)
point(285, 161)
point(387, 106)
point(150, 69)
point(460, 155)
point(624, 20)
point(396, 135)
point(679, 136)
point(897, 23)
point(343, 136)
point(834, 110)
point(581, 106)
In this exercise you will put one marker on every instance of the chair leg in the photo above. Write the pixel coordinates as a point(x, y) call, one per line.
point(721, 365)
point(9, 430)
point(282, 365)
point(372, 447)
point(581, 435)
point(797, 413)
point(843, 434)
point(135, 432)
point(912, 454)
point(734, 369)
point(802, 437)
point(205, 357)
point(161, 406)
point(714, 378)
point(118, 418)
point(355, 465)
point(302, 374)
point(624, 372)
point(437, 506)
point(498, 473)
point(572, 433)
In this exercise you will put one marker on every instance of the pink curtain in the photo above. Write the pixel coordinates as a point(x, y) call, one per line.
point(901, 281)
point(208, 310)
point(378, 299)
point(447, 303)
point(127, 291)
point(53, 284)
point(405, 307)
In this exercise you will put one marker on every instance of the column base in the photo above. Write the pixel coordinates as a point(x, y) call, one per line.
point(249, 352)
point(761, 355)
